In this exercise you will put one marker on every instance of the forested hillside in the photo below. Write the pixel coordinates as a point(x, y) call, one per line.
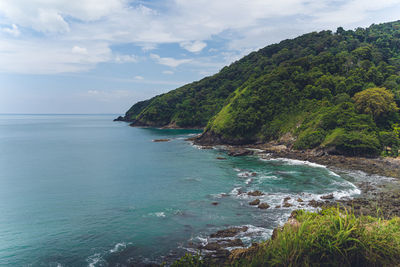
point(335, 91)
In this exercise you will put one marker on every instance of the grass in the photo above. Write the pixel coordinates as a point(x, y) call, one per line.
point(333, 237)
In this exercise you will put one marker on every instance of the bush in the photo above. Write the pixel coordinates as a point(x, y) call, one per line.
point(330, 238)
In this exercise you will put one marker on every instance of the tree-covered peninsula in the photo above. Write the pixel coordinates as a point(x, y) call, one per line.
point(335, 91)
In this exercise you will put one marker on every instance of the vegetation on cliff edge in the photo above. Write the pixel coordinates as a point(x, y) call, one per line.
point(332, 237)
point(335, 91)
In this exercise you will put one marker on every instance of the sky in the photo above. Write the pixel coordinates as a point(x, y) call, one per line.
point(102, 56)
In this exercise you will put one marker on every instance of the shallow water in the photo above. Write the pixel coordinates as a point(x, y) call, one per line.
point(81, 190)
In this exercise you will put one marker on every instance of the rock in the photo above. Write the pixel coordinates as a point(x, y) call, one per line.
point(215, 203)
point(120, 118)
point(300, 200)
point(286, 199)
point(276, 232)
point(221, 158)
point(230, 232)
point(237, 152)
point(256, 193)
point(315, 204)
point(287, 205)
point(263, 206)
point(255, 202)
point(278, 207)
point(161, 140)
point(330, 196)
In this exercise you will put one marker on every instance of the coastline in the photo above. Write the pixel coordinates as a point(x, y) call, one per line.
point(381, 199)
point(376, 199)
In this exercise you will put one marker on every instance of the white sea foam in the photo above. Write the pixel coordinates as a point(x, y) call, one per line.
point(296, 162)
point(269, 177)
point(246, 174)
point(94, 259)
point(255, 149)
point(235, 191)
point(118, 247)
point(160, 214)
point(248, 181)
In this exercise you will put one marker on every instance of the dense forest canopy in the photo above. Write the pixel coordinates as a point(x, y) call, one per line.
point(335, 91)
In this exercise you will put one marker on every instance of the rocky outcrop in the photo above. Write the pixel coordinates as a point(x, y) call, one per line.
point(263, 206)
point(255, 202)
point(230, 232)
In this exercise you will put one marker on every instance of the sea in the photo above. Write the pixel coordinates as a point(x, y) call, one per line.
point(82, 190)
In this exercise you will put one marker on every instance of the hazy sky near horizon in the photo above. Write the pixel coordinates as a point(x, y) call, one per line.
point(102, 56)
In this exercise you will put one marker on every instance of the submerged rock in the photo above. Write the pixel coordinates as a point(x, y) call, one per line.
point(254, 202)
point(215, 203)
point(221, 158)
point(256, 193)
point(161, 140)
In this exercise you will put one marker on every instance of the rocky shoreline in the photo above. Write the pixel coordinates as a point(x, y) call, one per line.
point(376, 199)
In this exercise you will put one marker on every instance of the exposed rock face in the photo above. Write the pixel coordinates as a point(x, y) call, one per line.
point(255, 202)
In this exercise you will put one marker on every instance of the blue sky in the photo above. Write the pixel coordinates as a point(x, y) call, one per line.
point(102, 56)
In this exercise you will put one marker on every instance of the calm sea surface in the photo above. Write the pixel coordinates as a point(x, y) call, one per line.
point(82, 190)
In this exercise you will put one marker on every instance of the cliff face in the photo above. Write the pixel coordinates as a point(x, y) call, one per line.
point(307, 88)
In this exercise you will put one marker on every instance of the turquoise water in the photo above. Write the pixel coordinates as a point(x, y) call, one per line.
point(81, 190)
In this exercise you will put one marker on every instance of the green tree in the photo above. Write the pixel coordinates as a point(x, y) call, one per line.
point(375, 101)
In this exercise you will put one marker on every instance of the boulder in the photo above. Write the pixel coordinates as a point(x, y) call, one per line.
point(255, 202)
point(263, 206)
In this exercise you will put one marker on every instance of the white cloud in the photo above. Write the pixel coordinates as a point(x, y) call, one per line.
point(125, 58)
point(195, 46)
point(191, 24)
point(169, 72)
point(41, 57)
point(169, 61)
point(139, 77)
point(79, 50)
point(50, 20)
point(14, 31)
